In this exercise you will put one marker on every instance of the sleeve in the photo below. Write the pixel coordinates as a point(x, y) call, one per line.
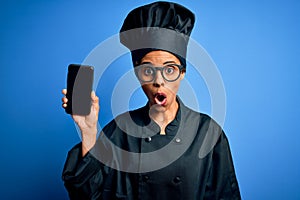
point(82, 176)
point(222, 182)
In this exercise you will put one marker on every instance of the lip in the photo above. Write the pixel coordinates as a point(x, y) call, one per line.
point(160, 98)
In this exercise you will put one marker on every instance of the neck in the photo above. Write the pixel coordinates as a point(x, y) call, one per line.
point(163, 117)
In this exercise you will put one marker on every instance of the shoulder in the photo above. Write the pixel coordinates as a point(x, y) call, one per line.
point(204, 119)
point(133, 117)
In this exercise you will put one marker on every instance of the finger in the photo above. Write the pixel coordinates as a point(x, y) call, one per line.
point(93, 94)
point(64, 100)
point(64, 91)
point(95, 102)
point(64, 105)
point(95, 99)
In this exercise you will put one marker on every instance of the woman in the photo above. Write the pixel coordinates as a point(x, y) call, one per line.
point(175, 153)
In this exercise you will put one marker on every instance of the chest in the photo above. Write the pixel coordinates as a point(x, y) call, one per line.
point(166, 171)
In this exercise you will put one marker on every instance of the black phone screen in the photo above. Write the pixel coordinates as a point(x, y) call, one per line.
point(79, 87)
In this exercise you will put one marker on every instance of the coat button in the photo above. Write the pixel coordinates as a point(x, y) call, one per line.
point(148, 139)
point(145, 178)
point(177, 179)
point(177, 140)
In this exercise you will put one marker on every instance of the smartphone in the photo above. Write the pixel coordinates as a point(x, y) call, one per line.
point(79, 87)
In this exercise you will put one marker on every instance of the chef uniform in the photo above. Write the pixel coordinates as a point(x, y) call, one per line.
point(131, 160)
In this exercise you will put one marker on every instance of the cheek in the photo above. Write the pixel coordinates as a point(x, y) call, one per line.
point(173, 87)
point(146, 88)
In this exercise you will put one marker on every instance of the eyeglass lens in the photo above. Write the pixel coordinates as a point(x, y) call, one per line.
point(147, 72)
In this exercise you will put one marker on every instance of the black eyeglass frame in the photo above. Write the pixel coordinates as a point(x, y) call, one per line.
point(155, 68)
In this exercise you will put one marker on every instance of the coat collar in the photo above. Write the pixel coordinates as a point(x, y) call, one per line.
point(171, 128)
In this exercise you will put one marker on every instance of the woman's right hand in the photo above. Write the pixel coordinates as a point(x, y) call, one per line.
point(87, 124)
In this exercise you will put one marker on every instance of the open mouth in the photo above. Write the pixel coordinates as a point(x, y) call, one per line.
point(160, 99)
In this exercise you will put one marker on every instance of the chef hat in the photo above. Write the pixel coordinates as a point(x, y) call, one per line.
point(157, 26)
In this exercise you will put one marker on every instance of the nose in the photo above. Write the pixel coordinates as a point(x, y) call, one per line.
point(158, 79)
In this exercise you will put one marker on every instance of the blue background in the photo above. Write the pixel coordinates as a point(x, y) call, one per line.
point(255, 45)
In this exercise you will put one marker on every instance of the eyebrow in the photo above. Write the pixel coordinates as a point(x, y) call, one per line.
point(146, 63)
point(167, 62)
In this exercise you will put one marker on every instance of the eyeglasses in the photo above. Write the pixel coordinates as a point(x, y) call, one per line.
point(147, 72)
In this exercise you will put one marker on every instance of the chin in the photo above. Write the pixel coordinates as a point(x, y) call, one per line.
point(158, 108)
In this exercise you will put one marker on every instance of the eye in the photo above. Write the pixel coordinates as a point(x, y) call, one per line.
point(169, 69)
point(148, 71)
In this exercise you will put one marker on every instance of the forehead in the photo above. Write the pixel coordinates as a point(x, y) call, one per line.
point(159, 57)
